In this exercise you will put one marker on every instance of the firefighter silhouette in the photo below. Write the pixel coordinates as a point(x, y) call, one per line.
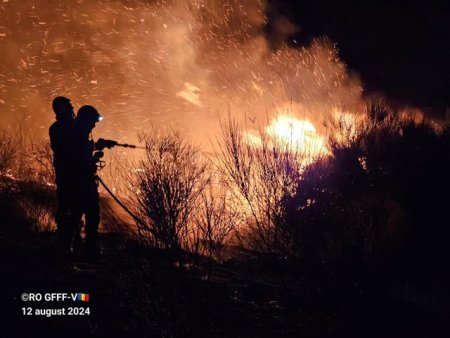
point(61, 137)
point(86, 157)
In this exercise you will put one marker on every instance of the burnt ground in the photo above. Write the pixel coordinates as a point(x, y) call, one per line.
point(139, 292)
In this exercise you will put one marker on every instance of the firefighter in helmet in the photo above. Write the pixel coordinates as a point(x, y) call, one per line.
point(87, 155)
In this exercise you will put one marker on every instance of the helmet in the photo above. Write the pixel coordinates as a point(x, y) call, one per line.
point(61, 105)
point(88, 114)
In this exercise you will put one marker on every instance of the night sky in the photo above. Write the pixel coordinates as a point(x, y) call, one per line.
point(399, 49)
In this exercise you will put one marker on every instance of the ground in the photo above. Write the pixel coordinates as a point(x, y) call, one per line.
point(139, 292)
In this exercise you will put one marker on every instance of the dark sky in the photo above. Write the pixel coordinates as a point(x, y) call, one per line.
point(400, 49)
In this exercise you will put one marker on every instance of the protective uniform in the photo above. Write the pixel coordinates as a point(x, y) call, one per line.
point(61, 133)
point(87, 197)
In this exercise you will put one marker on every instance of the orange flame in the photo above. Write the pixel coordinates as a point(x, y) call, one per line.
point(296, 135)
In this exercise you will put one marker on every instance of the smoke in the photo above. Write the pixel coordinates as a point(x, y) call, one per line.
point(180, 63)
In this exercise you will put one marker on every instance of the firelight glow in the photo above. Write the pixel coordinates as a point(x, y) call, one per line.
point(288, 132)
point(177, 63)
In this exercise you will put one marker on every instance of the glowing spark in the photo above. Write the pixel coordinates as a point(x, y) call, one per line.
point(257, 88)
point(190, 94)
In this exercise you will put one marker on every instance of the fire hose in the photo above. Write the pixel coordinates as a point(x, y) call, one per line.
point(124, 207)
point(102, 143)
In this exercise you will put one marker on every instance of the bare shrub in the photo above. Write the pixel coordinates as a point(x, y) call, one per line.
point(169, 182)
point(38, 203)
point(260, 178)
point(214, 223)
point(34, 169)
point(41, 158)
point(29, 188)
point(8, 152)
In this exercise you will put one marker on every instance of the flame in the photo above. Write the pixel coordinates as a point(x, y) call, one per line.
point(291, 130)
point(346, 125)
point(296, 135)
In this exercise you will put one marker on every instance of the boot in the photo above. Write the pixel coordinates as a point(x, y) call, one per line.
point(93, 250)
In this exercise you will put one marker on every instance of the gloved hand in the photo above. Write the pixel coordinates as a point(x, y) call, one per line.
point(98, 155)
point(102, 144)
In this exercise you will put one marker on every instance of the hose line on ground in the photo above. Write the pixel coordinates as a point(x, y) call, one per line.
point(136, 218)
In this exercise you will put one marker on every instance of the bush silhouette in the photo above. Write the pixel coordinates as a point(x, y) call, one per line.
point(169, 182)
point(379, 193)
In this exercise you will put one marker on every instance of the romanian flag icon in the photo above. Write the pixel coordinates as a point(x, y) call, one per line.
point(83, 297)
